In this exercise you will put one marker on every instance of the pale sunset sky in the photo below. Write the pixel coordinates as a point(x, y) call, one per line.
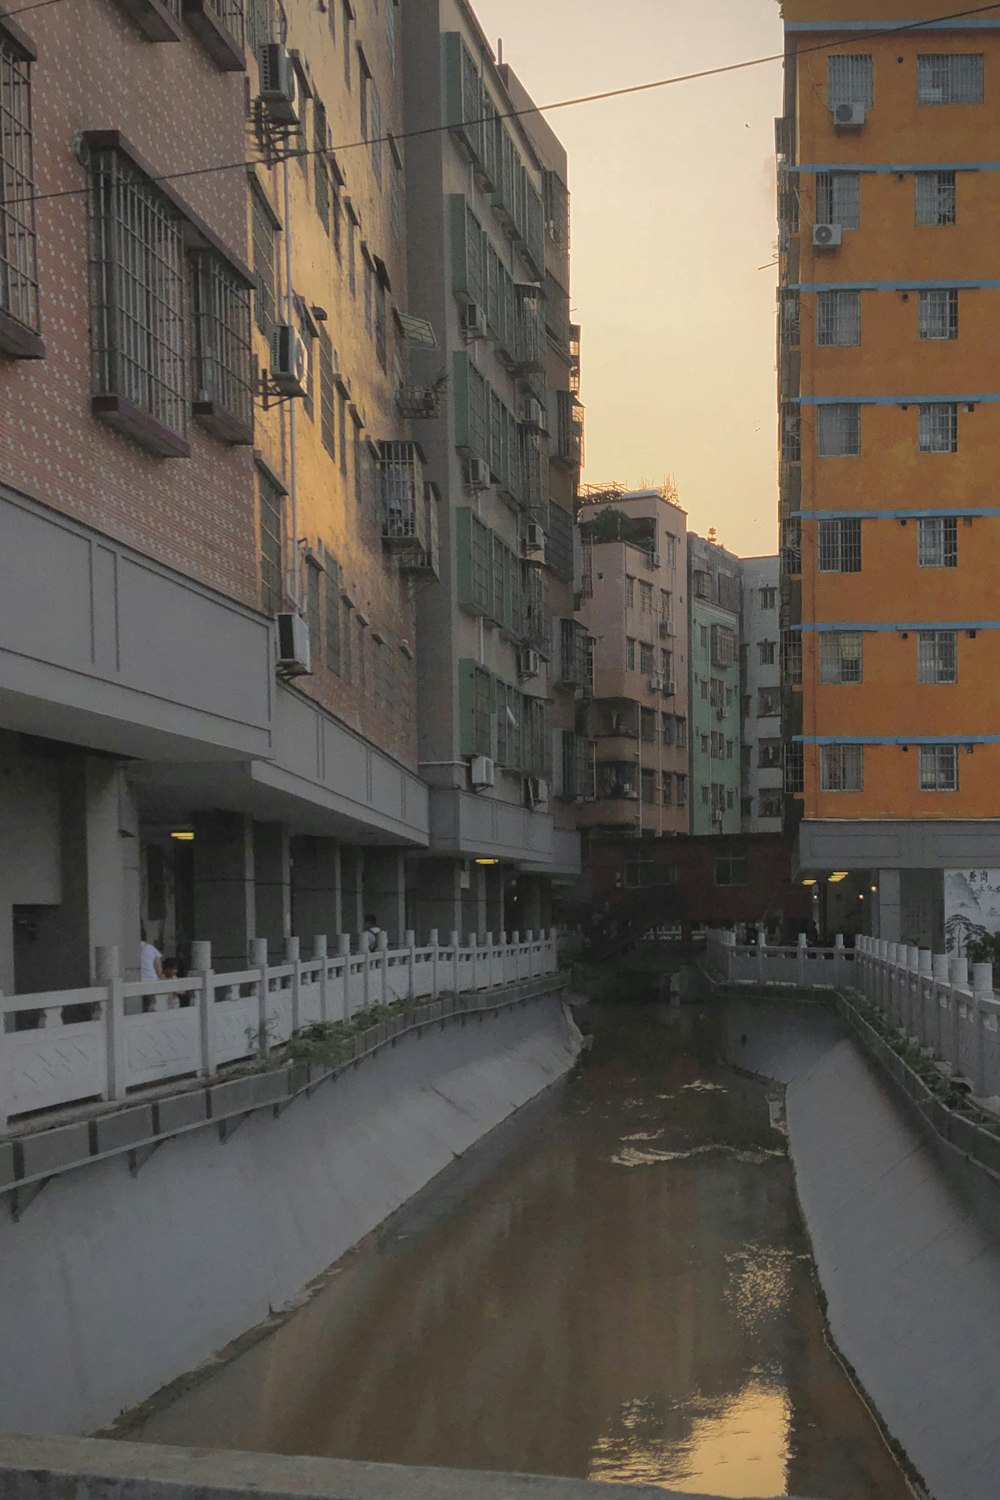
point(673, 212)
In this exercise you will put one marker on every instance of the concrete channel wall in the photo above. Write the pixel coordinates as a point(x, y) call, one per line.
point(116, 1281)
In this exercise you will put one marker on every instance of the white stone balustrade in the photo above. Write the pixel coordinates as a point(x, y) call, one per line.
point(764, 963)
point(74, 1046)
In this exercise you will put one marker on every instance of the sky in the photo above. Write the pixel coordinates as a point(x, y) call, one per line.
point(673, 213)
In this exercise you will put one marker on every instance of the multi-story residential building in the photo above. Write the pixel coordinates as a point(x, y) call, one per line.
point(489, 270)
point(715, 604)
point(633, 605)
point(889, 424)
point(760, 670)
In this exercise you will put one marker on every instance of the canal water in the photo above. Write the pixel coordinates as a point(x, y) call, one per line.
point(615, 1286)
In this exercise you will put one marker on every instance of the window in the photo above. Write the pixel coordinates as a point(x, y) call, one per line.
point(629, 654)
point(314, 606)
point(769, 598)
point(731, 868)
point(937, 542)
point(629, 592)
point(321, 173)
point(767, 651)
point(666, 663)
point(681, 733)
point(937, 656)
point(950, 78)
point(395, 181)
point(270, 520)
point(667, 729)
point(704, 795)
point(938, 429)
point(939, 314)
point(841, 657)
point(381, 325)
point(794, 777)
point(667, 788)
point(840, 546)
point(138, 321)
point(331, 580)
point(849, 80)
point(352, 252)
point(704, 744)
point(703, 636)
point(939, 768)
point(342, 430)
point(375, 126)
point(223, 368)
point(648, 786)
point(345, 38)
point(936, 198)
point(326, 392)
point(704, 689)
point(838, 430)
point(768, 702)
point(791, 433)
point(646, 598)
point(771, 804)
point(359, 477)
point(666, 604)
point(18, 264)
point(647, 725)
point(842, 768)
point(791, 656)
point(681, 783)
point(647, 660)
point(838, 318)
point(838, 199)
point(725, 646)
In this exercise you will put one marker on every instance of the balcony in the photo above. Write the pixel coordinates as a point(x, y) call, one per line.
point(409, 508)
point(421, 402)
point(567, 440)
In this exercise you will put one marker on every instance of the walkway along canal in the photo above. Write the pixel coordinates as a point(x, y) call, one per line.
point(614, 1285)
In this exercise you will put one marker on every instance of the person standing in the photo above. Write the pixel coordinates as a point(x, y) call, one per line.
point(372, 932)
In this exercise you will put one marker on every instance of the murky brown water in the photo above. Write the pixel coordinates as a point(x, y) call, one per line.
point(615, 1286)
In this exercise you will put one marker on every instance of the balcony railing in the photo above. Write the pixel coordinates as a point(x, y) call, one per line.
point(409, 508)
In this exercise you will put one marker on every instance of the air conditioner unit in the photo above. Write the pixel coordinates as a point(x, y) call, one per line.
point(482, 771)
point(538, 792)
point(656, 683)
point(827, 236)
point(289, 361)
point(667, 629)
point(849, 116)
point(533, 413)
point(529, 663)
point(474, 321)
point(293, 645)
point(478, 474)
point(534, 537)
point(669, 688)
point(278, 84)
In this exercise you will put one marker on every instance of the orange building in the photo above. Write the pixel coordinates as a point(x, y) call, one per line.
point(889, 306)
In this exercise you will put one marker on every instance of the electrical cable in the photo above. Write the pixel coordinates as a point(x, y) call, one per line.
point(533, 109)
point(38, 5)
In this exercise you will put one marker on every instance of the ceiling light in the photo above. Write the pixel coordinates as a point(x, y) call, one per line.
point(182, 835)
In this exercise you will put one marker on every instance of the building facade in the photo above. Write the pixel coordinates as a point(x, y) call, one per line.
point(633, 606)
point(888, 427)
point(715, 616)
point(760, 671)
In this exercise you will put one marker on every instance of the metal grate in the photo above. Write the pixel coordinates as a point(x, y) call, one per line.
point(258, 24)
point(223, 363)
point(936, 198)
point(838, 199)
point(791, 433)
point(790, 319)
point(230, 13)
point(270, 502)
point(842, 768)
point(938, 429)
point(850, 80)
point(939, 314)
point(838, 431)
point(332, 613)
point(937, 656)
point(841, 657)
point(327, 411)
point(838, 318)
point(321, 172)
point(950, 78)
point(794, 778)
point(401, 486)
point(375, 127)
point(937, 542)
point(138, 263)
point(18, 264)
point(262, 230)
point(840, 546)
point(939, 768)
point(791, 656)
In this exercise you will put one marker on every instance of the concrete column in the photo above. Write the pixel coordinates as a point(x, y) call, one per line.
point(352, 889)
point(272, 884)
point(224, 894)
point(890, 905)
point(385, 891)
point(438, 896)
point(474, 903)
point(496, 900)
point(316, 904)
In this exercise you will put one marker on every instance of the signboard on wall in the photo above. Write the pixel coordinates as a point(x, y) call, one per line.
point(971, 906)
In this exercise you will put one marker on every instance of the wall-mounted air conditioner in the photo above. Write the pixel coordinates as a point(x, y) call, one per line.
point(533, 413)
point(529, 663)
point(477, 474)
point(482, 771)
point(534, 537)
point(289, 361)
point(669, 688)
point(294, 658)
point(538, 792)
point(849, 116)
point(474, 321)
point(827, 236)
point(279, 88)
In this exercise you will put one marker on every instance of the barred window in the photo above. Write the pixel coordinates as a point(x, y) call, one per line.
point(842, 768)
point(791, 319)
point(223, 365)
point(681, 785)
point(939, 314)
point(950, 78)
point(395, 181)
point(321, 173)
point(838, 430)
point(332, 614)
point(937, 656)
point(838, 199)
point(262, 230)
point(937, 542)
point(840, 546)
point(18, 264)
point(327, 415)
point(841, 657)
point(258, 25)
point(647, 658)
point(838, 318)
point(939, 768)
point(345, 39)
point(375, 127)
point(938, 429)
point(270, 519)
point(314, 606)
point(559, 542)
point(791, 656)
point(794, 777)
point(139, 295)
point(850, 80)
point(936, 198)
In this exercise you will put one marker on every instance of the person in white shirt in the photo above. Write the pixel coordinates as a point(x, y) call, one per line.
point(150, 965)
point(372, 933)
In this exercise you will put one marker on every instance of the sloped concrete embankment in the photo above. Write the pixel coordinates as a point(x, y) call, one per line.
point(907, 1244)
point(114, 1285)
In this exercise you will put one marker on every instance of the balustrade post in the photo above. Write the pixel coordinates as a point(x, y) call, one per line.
point(958, 969)
point(761, 956)
point(411, 944)
point(201, 964)
point(320, 951)
point(839, 963)
point(515, 938)
point(456, 983)
point(435, 959)
point(366, 972)
point(982, 990)
point(802, 958)
point(293, 955)
point(258, 961)
point(107, 973)
point(925, 969)
point(474, 964)
point(344, 951)
point(383, 949)
point(489, 960)
point(939, 971)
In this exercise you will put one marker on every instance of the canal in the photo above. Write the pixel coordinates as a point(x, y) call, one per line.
point(616, 1285)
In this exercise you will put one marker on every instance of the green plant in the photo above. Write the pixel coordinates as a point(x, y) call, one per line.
point(984, 948)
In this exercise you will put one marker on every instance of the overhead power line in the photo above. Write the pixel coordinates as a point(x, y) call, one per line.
point(533, 109)
point(38, 5)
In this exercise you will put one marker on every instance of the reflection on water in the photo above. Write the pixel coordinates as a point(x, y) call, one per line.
point(616, 1286)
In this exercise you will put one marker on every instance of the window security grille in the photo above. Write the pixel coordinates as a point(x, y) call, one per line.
point(647, 659)
point(139, 280)
point(841, 657)
point(332, 613)
point(840, 546)
point(314, 606)
point(375, 128)
point(629, 654)
point(791, 656)
point(223, 361)
point(725, 646)
point(850, 80)
point(937, 542)
point(768, 702)
point(791, 434)
point(648, 786)
point(794, 778)
point(838, 431)
point(321, 174)
point(791, 547)
point(937, 656)
point(938, 431)
point(18, 266)
point(270, 503)
point(327, 414)
point(950, 78)
point(768, 652)
point(230, 13)
point(768, 755)
point(936, 198)
point(838, 199)
point(838, 318)
point(842, 768)
point(939, 768)
point(939, 314)
point(791, 319)
point(258, 25)
point(263, 260)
